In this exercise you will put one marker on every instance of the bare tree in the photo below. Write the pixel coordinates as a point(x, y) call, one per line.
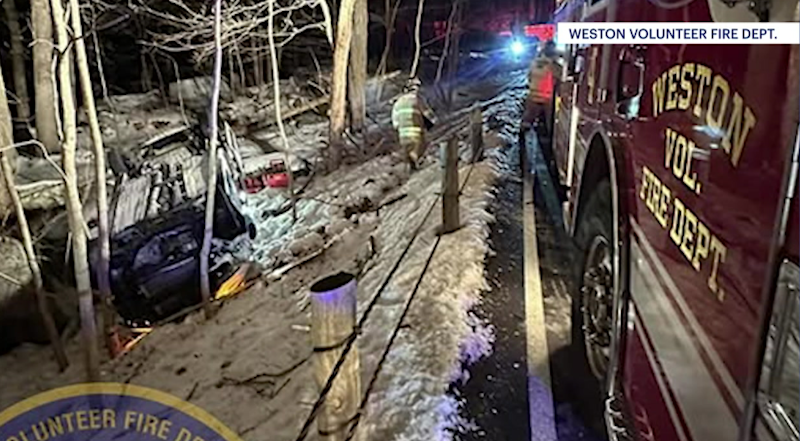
point(341, 54)
point(446, 52)
point(358, 66)
point(391, 18)
point(72, 196)
point(17, 60)
point(276, 88)
point(186, 29)
point(6, 142)
point(417, 41)
point(208, 232)
point(44, 87)
point(103, 282)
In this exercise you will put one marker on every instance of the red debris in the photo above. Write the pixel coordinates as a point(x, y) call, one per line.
point(273, 177)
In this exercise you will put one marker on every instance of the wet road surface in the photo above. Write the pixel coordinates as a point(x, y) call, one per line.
point(496, 394)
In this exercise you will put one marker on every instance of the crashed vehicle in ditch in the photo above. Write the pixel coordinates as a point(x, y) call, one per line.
point(157, 222)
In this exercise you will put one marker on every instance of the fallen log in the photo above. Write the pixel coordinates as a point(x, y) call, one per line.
point(260, 125)
point(314, 104)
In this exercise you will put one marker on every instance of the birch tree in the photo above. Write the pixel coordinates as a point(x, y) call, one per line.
point(358, 66)
point(43, 86)
point(276, 90)
point(208, 232)
point(17, 60)
point(103, 282)
point(341, 54)
point(72, 196)
point(417, 38)
point(7, 171)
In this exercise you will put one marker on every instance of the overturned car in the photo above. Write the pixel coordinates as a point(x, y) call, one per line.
point(157, 221)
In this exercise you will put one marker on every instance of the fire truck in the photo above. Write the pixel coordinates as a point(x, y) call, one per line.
point(680, 166)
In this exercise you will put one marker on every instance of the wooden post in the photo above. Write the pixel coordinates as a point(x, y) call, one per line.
point(450, 211)
point(333, 315)
point(476, 134)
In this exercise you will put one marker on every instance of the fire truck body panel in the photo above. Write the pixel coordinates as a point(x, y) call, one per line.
point(696, 141)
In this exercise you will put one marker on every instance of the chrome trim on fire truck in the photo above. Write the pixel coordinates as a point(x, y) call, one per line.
point(696, 394)
point(772, 393)
point(617, 421)
point(575, 114)
point(660, 380)
point(788, 192)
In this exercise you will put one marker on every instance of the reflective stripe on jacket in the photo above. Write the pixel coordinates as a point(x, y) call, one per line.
point(407, 117)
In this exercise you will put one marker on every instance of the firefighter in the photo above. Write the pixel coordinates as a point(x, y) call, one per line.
point(411, 117)
point(541, 83)
point(539, 108)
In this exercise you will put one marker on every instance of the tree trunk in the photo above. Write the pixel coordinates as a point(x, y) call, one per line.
point(446, 52)
point(240, 64)
point(455, 51)
point(18, 61)
point(44, 87)
point(147, 84)
point(208, 232)
point(326, 13)
point(417, 40)
point(232, 80)
point(392, 19)
point(36, 273)
point(103, 282)
point(72, 196)
point(6, 140)
point(341, 53)
point(276, 88)
point(358, 66)
point(99, 60)
point(256, 56)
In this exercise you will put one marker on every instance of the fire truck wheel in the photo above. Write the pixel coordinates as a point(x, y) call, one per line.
point(592, 304)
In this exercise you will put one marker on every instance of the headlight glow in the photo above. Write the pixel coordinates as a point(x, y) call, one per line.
point(517, 48)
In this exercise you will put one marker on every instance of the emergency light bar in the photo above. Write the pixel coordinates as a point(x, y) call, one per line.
point(544, 32)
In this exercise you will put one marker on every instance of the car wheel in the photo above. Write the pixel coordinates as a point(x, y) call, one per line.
point(592, 305)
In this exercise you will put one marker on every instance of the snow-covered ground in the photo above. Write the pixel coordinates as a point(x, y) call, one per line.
point(250, 366)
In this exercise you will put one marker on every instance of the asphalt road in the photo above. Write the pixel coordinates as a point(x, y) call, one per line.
point(496, 396)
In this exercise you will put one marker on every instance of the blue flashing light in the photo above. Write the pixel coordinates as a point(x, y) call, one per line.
point(517, 47)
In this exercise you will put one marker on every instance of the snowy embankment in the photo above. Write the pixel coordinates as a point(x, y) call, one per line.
point(250, 366)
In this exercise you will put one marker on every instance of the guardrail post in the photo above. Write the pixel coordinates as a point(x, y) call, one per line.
point(450, 210)
point(476, 134)
point(333, 314)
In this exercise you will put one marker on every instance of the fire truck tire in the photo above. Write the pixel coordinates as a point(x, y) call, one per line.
point(594, 229)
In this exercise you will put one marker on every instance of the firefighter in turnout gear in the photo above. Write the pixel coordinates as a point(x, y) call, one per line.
point(411, 117)
point(541, 84)
point(539, 108)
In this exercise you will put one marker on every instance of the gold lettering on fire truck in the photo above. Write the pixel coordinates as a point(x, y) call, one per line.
point(701, 248)
point(678, 158)
point(724, 113)
point(726, 120)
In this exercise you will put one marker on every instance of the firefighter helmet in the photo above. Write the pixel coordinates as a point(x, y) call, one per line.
point(413, 85)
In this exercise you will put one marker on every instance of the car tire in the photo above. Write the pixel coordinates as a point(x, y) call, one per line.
point(593, 236)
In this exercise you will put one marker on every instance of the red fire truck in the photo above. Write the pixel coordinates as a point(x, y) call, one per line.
point(680, 164)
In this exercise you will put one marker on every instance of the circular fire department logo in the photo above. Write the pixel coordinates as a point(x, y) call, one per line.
point(109, 411)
